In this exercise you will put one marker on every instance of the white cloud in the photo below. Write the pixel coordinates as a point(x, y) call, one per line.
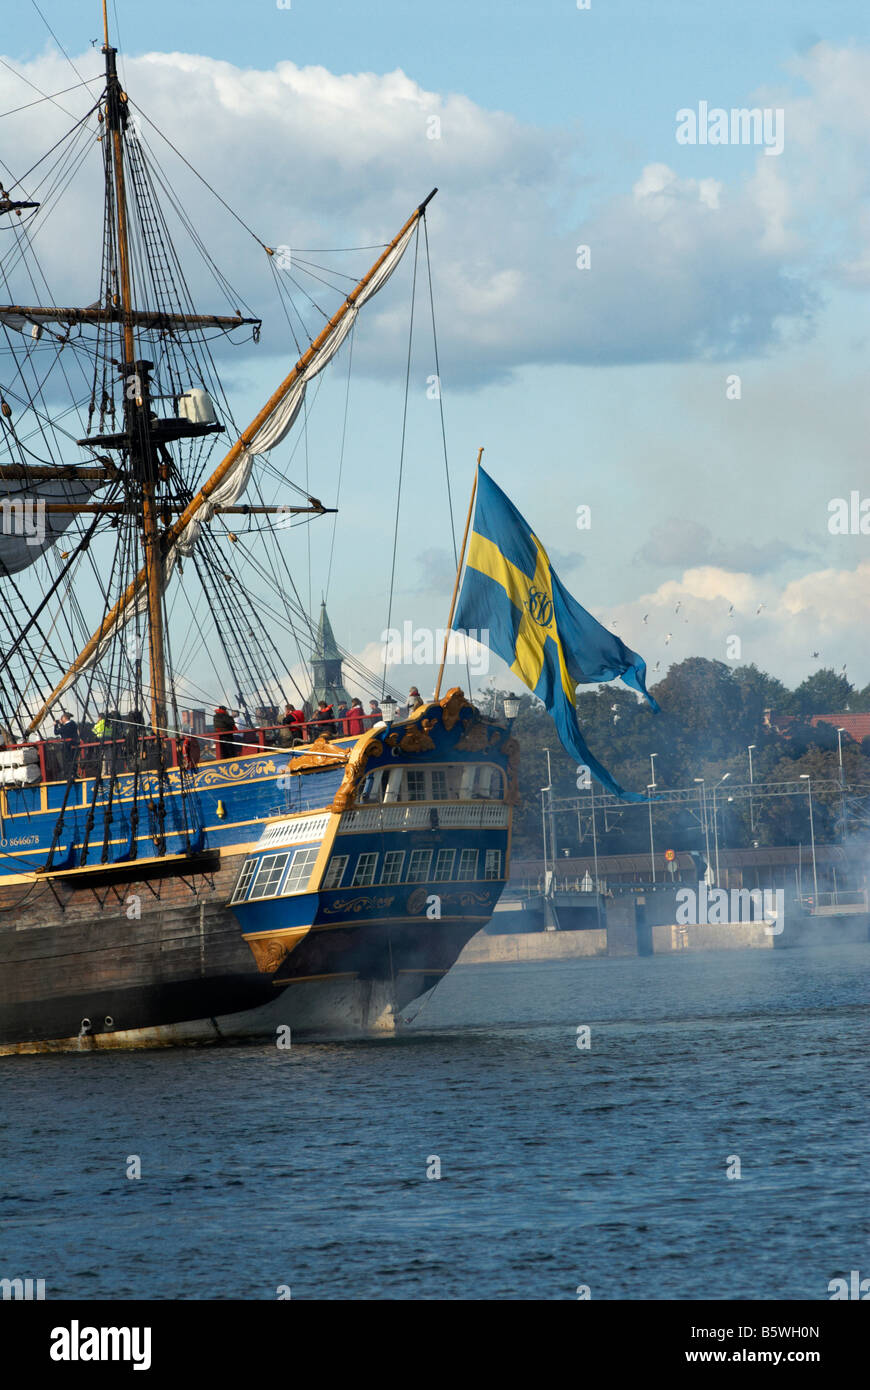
point(778, 629)
point(681, 267)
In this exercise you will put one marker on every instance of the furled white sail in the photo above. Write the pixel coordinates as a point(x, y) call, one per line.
point(233, 483)
point(27, 530)
point(281, 420)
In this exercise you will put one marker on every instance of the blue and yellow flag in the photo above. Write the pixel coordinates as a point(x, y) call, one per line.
point(550, 643)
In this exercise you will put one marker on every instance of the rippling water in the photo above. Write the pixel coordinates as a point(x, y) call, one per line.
point(559, 1166)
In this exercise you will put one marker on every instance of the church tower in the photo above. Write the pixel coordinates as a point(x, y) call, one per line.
point(326, 666)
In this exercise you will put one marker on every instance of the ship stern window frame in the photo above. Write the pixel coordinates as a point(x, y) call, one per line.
point(336, 871)
point(243, 882)
point(364, 869)
point(417, 859)
point(444, 861)
point(300, 870)
point(270, 872)
point(492, 864)
point(394, 863)
point(467, 861)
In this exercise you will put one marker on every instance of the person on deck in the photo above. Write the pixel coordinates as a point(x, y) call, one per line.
point(324, 720)
point(414, 701)
point(374, 715)
point(294, 723)
point(224, 727)
point(341, 717)
point(134, 732)
point(356, 720)
point(67, 729)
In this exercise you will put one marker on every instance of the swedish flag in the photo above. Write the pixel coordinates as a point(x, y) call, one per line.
point(550, 643)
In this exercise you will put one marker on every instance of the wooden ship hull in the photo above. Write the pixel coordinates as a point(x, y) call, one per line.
point(365, 867)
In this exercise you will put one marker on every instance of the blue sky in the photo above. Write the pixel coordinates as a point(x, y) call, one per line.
point(609, 390)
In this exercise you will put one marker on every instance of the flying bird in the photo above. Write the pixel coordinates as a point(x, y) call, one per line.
point(730, 610)
point(657, 666)
point(679, 605)
point(613, 707)
point(758, 609)
point(668, 638)
point(814, 654)
point(645, 616)
point(616, 719)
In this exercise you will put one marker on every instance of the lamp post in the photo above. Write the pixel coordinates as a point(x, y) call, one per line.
point(550, 816)
point(805, 777)
point(651, 786)
point(594, 844)
point(705, 825)
point(751, 807)
point(716, 823)
point(840, 733)
point(544, 835)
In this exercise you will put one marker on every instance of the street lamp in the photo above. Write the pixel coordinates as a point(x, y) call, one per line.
point(705, 825)
point(716, 823)
point(651, 786)
point(840, 733)
point(544, 834)
point(511, 707)
point(805, 777)
point(751, 808)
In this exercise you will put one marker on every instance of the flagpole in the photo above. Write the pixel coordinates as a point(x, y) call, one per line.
point(458, 573)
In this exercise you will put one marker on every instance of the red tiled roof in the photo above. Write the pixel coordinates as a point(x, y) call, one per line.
point(857, 726)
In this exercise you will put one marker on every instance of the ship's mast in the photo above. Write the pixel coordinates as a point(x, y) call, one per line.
point(137, 409)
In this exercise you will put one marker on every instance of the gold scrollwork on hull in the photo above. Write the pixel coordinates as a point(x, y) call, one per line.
point(235, 772)
point(269, 952)
point(358, 904)
point(478, 737)
point(452, 705)
point(369, 745)
point(306, 762)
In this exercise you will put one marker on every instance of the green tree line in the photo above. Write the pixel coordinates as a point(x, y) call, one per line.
point(709, 715)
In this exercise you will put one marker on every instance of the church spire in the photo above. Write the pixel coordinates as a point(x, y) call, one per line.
point(326, 665)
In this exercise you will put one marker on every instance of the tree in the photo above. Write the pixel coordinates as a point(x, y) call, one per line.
point(824, 692)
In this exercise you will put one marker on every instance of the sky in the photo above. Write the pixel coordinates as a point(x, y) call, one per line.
point(700, 385)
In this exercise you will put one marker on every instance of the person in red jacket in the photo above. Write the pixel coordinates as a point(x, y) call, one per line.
point(355, 717)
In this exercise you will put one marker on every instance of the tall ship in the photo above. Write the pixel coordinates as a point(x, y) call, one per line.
point(161, 883)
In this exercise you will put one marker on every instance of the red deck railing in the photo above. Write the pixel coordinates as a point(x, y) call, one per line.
point(126, 753)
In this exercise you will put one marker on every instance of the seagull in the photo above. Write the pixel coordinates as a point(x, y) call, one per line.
point(657, 666)
point(616, 719)
point(613, 707)
point(668, 638)
point(679, 605)
point(758, 609)
point(645, 616)
point(730, 610)
point(814, 654)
